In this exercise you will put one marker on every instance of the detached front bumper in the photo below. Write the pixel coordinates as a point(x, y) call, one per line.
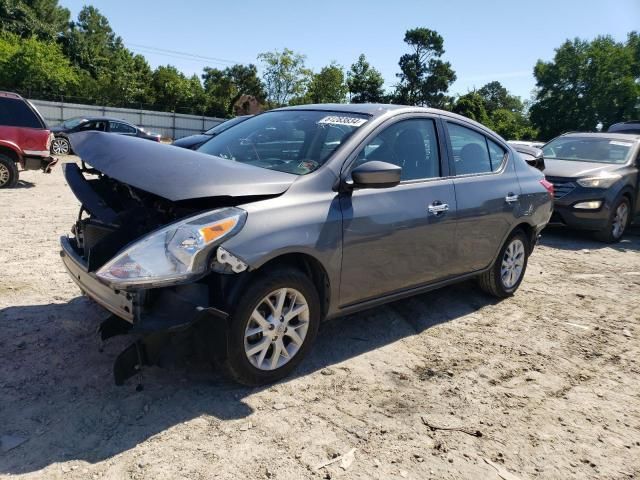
point(159, 309)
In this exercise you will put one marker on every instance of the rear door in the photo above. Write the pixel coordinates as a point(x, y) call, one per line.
point(400, 237)
point(487, 194)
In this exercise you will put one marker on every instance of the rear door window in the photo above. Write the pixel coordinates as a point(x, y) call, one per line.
point(17, 113)
point(119, 127)
point(473, 152)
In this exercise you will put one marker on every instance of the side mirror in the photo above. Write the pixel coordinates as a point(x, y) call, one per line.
point(376, 174)
point(537, 160)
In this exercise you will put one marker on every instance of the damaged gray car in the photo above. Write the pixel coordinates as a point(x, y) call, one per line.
point(294, 216)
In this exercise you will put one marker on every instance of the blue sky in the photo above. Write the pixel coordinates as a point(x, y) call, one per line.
point(484, 40)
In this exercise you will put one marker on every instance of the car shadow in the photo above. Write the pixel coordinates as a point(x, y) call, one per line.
point(57, 393)
point(564, 238)
point(24, 184)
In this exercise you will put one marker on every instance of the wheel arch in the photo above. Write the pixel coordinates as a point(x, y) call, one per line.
point(10, 151)
point(307, 264)
point(628, 193)
point(529, 232)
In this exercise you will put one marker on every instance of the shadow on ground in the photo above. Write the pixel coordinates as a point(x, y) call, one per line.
point(568, 239)
point(57, 392)
point(24, 184)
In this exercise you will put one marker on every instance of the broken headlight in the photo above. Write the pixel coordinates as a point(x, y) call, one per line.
point(174, 253)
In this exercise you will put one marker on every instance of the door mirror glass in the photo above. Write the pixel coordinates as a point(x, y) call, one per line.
point(376, 174)
point(536, 160)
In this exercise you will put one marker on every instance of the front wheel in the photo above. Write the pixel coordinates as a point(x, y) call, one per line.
point(60, 146)
point(506, 274)
point(617, 222)
point(272, 329)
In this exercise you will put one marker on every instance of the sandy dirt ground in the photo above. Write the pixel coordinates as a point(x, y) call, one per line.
point(450, 384)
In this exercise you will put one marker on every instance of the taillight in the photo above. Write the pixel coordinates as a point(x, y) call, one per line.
point(548, 186)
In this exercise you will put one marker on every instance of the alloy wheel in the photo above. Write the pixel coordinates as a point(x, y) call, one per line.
point(512, 263)
point(277, 329)
point(60, 146)
point(620, 219)
point(4, 175)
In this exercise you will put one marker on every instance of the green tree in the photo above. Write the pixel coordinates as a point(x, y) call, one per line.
point(43, 19)
point(171, 89)
point(424, 77)
point(111, 74)
point(224, 87)
point(365, 82)
point(493, 106)
point(585, 83)
point(472, 105)
point(91, 42)
point(30, 65)
point(328, 85)
point(285, 76)
point(497, 97)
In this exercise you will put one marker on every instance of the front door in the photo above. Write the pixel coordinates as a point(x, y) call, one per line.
point(400, 237)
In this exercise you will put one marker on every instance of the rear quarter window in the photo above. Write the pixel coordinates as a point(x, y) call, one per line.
point(17, 113)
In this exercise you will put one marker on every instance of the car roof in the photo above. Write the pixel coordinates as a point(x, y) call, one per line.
point(381, 109)
point(609, 135)
point(105, 119)
point(15, 96)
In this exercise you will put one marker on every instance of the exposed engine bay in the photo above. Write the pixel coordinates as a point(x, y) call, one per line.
point(114, 215)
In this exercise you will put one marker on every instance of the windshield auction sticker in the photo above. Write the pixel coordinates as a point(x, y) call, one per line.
point(620, 144)
point(337, 120)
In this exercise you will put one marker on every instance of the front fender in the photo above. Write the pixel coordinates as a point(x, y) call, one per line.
point(292, 225)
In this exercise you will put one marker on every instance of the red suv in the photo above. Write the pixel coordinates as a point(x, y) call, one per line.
point(24, 139)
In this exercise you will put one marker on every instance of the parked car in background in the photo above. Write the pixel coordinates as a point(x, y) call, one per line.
point(295, 215)
point(526, 143)
point(532, 155)
point(194, 141)
point(24, 139)
point(595, 177)
point(632, 126)
point(60, 145)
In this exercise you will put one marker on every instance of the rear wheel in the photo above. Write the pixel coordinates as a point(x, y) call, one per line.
point(8, 172)
point(617, 223)
point(507, 272)
point(60, 146)
point(272, 329)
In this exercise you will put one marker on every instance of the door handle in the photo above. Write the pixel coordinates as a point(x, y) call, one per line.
point(511, 198)
point(436, 208)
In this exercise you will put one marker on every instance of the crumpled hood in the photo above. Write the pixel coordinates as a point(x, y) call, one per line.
point(576, 169)
point(174, 173)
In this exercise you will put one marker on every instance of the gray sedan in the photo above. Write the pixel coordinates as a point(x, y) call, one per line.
point(291, 217)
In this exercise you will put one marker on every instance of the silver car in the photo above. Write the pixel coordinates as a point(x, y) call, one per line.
point(291, 217)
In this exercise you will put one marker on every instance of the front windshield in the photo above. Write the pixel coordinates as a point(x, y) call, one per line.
point(72, 122)
point(589, 149)
point(292, 141)
point(221, 127)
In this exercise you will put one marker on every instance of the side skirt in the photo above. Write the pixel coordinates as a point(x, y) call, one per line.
point(392, 297)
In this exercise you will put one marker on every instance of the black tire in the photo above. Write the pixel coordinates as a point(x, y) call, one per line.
point(60, 146)
point(235, 363)
point(8, 172)
point(492, 281)
point(609, 234)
